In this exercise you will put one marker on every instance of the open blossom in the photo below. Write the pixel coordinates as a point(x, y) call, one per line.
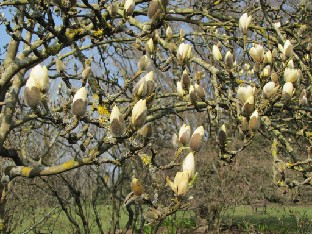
point(80, 102)
point(180, 184)
point(40, 74)
point(257, 53)
point(244, 22)
point(243, 93)
point(291, 75)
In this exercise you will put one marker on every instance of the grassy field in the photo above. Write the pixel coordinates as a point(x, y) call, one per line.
point(278, 219)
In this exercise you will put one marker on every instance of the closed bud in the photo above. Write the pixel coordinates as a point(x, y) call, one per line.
point(129, 7)
point(287, 49)
point(197, 139)
point(146, 131)
point(257, 53)
point(40, 74)
point(117, 123)
point(268, 57)
point(153, 7)
point(136, 187)
point(184, 134)
point(254, 122)
point(216, 53)
point(80, 102)
point(222, 136)
point(200, 92)
point(86, 72)
point(150, 48)
point(303, 98)
point(182, 34)
point(266, 72)
point(60, 66)
point(269, 89)
point(228, 59)
point(139, 114)
point(291, 64)
point(188, 165)
point(244, 22)
point(180, 90)
point(186, 81)
point(32, 95)
point(288, 91)
point(249, 106)
point(244, 124)
point(184, 53)
point(169, 33)
point(144, 62)
point(192, 94)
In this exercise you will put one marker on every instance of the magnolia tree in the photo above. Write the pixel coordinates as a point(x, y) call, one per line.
point(97, 76)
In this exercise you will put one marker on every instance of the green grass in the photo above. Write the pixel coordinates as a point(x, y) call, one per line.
point(278, 219)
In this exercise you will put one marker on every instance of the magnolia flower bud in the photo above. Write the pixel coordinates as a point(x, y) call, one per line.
point(228, 59)
point(303, 98)
point(291, 75)
point(186, 81)
point(169, 33)
point(287, 49)
point(268, 57)
point(146, 131)
point(200, 92)
point(144, 62)
point(222, 136)
point(139, 114)
point(216, 53)
point(188, 165)
point(40, 74)
point(180, 183)
point(60, 66)
point(269, 89)
point(153, 7)
point(136, 187)
point(277, 25)
point(197, 139)
point(152, 214)
point(117, 123)
point(150, 48)
point(180, 90)
point(244, 124)
point(129, 7)
point(145, 86)
point(291, 64)
point(266, 72)
point(274, 77)
point(288, 91)
point(80, 102)
point(244, 22)
point(257, 53)
point(192, 94)
point(181, 34)
point(184, 134)
point(249, 106)
point(86, 72)
point(254, 122)
point(32, 95)
point(184, 53)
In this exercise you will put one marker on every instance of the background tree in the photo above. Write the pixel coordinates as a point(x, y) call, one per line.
point(92, 78)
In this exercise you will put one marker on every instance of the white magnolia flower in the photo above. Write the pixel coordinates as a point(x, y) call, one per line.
point(257, 53)
point(184, 53)
point(291, 75)
point(188, 165)
point(184, 134)
point(244, 22)
point(129, 7)
point(117, 122)
point(217, 56)
point(254, 122)
point(288, 91)
point(287, 49)
point(139, 114)
point(40, 74)
point(80, 102)
point(269, 89)
point(180, 183)
point(197, 139)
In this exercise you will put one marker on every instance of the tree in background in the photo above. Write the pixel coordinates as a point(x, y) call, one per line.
point(102, 82)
